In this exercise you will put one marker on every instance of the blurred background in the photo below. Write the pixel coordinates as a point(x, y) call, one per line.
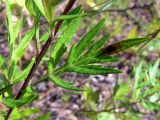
point(110, 97)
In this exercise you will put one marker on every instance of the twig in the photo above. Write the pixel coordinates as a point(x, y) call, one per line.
point(40, 56)
point(129, 8)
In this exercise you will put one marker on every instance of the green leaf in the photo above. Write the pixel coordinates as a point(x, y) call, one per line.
point(122, 91)
point(26, 99)
point(87, 39)
point(56, 2)
point(67, 22)
point(11, 70)
point(48, 8)
point(97, 45)
point(65, 38)
point(151, 105)
point(23, 114)
point(24, 43)
point(68, 17)
point(45, 36)
point(64, 84)
point(72, 54)
point(13, 103)
point(93, 70)
point(5, 89)
point(3, 66)
point(16, 29)
point(43, 117)
point(9, 23)
point(40, 6)
point(30, 7)
point(33, 9)
point(153, 71)
point(92, 60)
point(23, 74)
point(122, 45)
point(58, 56)
point(138, 80)
point(104, 115)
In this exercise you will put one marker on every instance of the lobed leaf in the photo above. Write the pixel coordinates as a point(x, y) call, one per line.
point(97, 45)
point(87, 39)
point(63, 41)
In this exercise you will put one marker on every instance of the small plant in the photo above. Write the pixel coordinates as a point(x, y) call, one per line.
point(85, 57)
point(128, 97)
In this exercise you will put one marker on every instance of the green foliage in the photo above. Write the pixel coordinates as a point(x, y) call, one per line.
point(88, 38)
point(85, 57)
point(48, 8)
point(27, 98)
point(16, 29)
point(43, 117)
point(45, 36)
point(23, 44)
point(5, 89)
point(64, 84)
point(91, 98)
point(23, 114)
point(60, 46)
point(19, 76)
point(147, 82)
point(143, 92)
point(9, 25)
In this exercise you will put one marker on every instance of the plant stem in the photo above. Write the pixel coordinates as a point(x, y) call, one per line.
point(40, 55)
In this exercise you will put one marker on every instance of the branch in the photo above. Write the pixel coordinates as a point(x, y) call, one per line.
point(40, 55)
point(146, 6)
